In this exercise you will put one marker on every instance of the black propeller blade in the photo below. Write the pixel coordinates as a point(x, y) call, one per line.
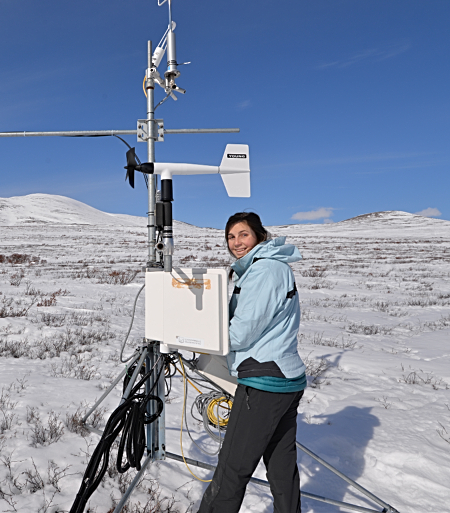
point(130, 177)
point(132, 166)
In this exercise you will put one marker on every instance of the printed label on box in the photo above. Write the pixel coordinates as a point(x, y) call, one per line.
point(190, 341)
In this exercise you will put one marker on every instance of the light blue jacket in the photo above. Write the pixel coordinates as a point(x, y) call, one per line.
point(263, 322)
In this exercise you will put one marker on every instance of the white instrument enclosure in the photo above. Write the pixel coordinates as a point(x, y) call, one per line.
point(216, 369)
point(188, 309)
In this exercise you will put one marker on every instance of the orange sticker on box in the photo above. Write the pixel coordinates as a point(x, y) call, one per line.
point(193, 283)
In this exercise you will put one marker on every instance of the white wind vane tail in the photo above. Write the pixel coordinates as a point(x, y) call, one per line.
point(235, 170)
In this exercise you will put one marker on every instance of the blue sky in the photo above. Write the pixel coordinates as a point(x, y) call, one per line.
point(345, 103)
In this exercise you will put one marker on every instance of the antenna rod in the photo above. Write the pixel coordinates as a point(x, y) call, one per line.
point(170, 15)
point(95, 133)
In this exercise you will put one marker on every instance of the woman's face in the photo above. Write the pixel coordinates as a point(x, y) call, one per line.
point(241, 239)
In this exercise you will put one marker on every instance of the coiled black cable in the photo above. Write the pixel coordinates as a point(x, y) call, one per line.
point(130, 418)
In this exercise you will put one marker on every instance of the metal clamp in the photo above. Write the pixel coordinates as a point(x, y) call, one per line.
point(143, 134)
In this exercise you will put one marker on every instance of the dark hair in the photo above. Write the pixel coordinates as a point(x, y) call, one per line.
point(253, 221)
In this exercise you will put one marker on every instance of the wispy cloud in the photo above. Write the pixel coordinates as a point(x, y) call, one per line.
point(244, 105)
point(429, 212)
point(313, 215)
point(375, 54)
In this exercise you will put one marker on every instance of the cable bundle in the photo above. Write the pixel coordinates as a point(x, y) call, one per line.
point(169, 371)
point(209, 406)
point(130, 418)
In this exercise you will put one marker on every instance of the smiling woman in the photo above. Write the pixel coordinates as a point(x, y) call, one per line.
point(241, 239)
point(243, 232)
point(264, 323)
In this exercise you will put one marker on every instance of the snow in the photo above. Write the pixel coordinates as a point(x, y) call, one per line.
point(375, 297)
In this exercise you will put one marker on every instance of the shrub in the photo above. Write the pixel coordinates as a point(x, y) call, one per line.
point(74, 366)
point(8, 416)
point(10, 307)
point(314, 272)
point(14, 348)
point(186, 259)
point(74, 421)
point(41, 435)
point(19, 258)
point(369, 329)
point(423, 378)
point(33, 479)
point(118, 277)
point(16, 279)
point(54, 320)
point(321, 284)
point(51, 301)
point(316, 369)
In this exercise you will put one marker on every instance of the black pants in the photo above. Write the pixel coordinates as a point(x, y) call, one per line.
point(262, 424)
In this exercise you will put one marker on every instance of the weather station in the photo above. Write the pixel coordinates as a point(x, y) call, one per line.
point(186, 309)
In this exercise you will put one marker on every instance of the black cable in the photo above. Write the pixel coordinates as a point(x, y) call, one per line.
point(169, 371)
point(113, 135)
point(194, 357)
point(123, 140)
point(202, 382)
point(130, 418)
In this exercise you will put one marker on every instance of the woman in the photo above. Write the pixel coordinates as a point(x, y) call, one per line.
point(264, 322)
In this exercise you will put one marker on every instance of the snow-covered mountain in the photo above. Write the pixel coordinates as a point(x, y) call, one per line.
point(388, 224)
point(49, 208)
point(52, 209)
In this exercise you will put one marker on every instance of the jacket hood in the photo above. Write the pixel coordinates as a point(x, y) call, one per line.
point(275, 249)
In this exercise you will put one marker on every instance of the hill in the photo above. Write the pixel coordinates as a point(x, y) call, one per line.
point(52, 209)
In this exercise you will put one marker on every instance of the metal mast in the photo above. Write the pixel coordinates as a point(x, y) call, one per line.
point(155, 430)
point(150, 87)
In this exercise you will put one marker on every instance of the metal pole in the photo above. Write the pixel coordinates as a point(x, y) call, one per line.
point(345, 478)
point(134, 376)
point(150, 86)
point(201, 131)
point(69, 133)
point(156, 439)
point(94, 133)
point(255, 480)
point(133, 485)
point(155, 430)
point(113, 384)
point(161, 420)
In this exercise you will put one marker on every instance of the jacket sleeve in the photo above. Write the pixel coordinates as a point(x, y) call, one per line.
point(262, 294)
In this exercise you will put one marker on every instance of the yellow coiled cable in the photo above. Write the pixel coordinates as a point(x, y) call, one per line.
point(217, 420)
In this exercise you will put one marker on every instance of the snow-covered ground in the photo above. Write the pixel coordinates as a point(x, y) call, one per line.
point(375, 333)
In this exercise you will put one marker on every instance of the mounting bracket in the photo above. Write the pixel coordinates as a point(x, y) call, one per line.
point(143, 132)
